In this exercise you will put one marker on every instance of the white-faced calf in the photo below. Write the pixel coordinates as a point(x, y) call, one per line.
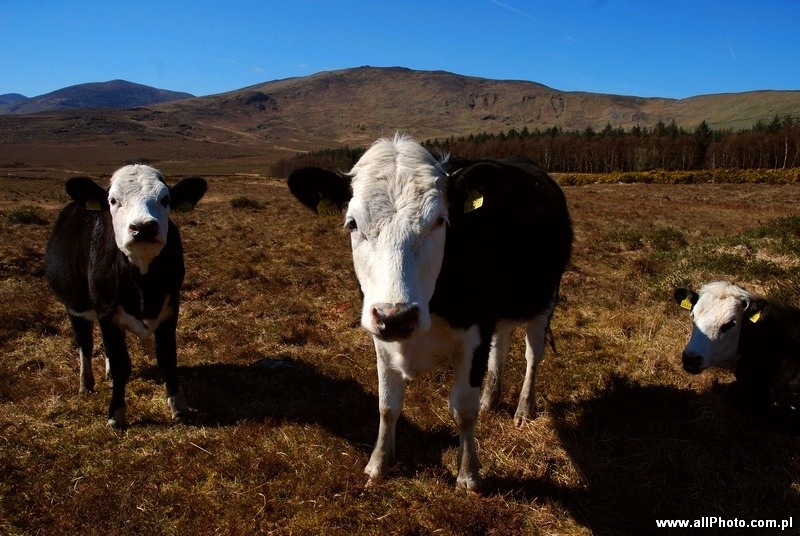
point(115, 257)
point(755, 338)
point(451, 255)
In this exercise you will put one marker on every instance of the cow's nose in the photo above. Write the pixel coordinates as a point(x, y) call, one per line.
point(692, 363)
point(146, 231)
point(395, 321)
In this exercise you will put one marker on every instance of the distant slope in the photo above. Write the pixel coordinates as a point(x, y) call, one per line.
point(113, 94)
point(351, 107)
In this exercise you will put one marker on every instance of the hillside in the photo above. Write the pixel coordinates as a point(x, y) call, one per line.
point(113, 94)
point(254, 126)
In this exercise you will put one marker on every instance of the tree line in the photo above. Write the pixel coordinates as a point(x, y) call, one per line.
point(772, 145)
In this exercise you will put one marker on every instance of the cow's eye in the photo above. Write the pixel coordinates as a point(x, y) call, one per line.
point(165, 201)
point(441, 220)
point(727, 325)
point(112, 201)
point(351, 224)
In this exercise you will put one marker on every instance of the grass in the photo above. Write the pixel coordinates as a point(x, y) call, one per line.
point(284, 383)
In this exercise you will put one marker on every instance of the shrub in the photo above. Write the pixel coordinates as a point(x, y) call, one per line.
point(24, 216)
point(246, 202)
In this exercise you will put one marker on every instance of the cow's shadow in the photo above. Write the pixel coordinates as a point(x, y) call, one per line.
point(659, 452)
point(277, 390)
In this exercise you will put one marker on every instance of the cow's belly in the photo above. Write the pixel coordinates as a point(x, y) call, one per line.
point(427, 351)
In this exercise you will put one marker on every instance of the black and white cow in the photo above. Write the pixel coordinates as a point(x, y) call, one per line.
point(755, 338)
point(451, 256)
point(115, 257)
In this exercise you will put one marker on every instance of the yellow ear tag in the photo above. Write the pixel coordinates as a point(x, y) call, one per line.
point(473, 202)
point(687, 304)
point(184, 207)
point(327, 208)
point(755, 317)
point(93, 206)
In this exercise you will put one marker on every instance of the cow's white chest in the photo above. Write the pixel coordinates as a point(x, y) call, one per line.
point(428, 350)
point(143, 328)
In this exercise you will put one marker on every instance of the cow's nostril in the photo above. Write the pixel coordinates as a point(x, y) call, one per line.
point(395, 321)
point(145, 231)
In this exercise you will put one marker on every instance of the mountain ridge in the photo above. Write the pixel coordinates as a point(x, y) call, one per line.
point(111, 94)
point(352, 107)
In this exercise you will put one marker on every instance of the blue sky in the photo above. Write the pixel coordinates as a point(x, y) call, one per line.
point(676, 49)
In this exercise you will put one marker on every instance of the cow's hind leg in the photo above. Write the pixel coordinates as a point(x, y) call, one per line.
point(535, 335)
point(464, 408)
point(493, 385)
point(82, 333)
point(119, 362)
point(167, 357)
point(391, 392)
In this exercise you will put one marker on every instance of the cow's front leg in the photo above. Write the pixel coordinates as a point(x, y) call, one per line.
point(82, 332)
point(391, 392)
point(464, 408)
point(119, 362)
point(535, 334)
point(167, 357)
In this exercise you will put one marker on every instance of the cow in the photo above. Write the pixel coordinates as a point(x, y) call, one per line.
point(450, 255)
point(756, 339)
point(114, 257)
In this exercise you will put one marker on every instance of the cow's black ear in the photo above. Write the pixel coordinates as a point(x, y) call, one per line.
point(187, 193)
point(87, 193)
point(325, 192)
point(756, 309)
point(685, 297)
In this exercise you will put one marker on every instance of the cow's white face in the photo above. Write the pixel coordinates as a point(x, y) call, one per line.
point(140, 205)
point(397, 218)
point(717, 310)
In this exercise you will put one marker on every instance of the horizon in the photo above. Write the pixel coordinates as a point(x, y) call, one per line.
point(672, 51)
point(391, 67)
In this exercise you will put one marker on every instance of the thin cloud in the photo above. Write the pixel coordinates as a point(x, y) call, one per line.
point(515, 10)
point(730, 47)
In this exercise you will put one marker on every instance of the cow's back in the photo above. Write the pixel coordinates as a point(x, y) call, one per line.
point(66, 257)
point(503, 259)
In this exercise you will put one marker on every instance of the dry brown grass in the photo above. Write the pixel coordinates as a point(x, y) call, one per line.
point(284, 383)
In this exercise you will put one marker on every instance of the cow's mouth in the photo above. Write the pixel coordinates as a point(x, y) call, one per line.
point(693, 364)
point(693, 370)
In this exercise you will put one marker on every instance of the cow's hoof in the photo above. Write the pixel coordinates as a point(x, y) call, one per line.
point(177, 404)
point(86, 391)
point(118, 421)
point(471, 484)
point(522, 417)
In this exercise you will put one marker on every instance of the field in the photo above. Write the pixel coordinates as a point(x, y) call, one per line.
point(284, 385)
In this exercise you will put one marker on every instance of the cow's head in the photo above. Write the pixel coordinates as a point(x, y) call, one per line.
point(395, 210)
point(139, 203)
point(717, 311)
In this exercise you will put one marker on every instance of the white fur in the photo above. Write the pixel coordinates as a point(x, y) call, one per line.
point(146, 327)
point(399, 211)
point(399, 363)
point(398, 206)
point(135, 196)
point(719, 304)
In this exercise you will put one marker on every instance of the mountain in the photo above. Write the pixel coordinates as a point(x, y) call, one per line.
point(11, 98)
point(257, 125)
point(113, 94)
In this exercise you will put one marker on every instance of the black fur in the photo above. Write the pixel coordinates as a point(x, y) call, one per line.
point(503, 261)
point(765, 348)
point(87, 271)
